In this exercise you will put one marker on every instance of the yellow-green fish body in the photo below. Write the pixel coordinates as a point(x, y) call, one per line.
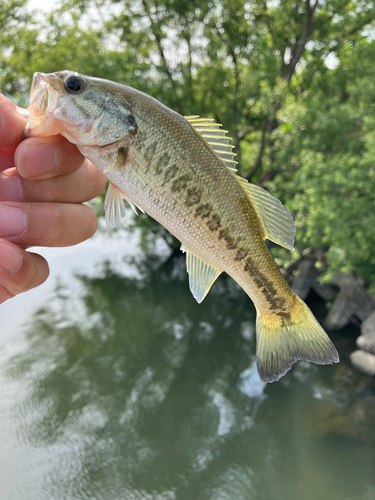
point(181, 172)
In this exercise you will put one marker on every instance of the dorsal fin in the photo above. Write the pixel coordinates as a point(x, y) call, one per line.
point(215, 137)
point(275, 219)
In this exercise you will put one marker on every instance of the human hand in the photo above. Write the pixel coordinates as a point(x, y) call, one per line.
point(43, 183)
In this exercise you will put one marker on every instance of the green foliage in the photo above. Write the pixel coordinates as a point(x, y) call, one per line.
point(325, 158)
point(303, 130)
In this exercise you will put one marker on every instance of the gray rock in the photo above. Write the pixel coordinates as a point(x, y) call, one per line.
point(368, 326)
point(325, 291)
point(351, 301)
point(306, 279)
point(362, 343)
point(366, 340)
point(364, 361)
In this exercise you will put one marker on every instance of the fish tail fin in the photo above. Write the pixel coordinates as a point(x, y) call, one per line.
point(281, 341)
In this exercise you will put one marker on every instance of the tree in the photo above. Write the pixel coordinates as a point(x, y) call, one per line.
point(257, 67)
point(325, 162)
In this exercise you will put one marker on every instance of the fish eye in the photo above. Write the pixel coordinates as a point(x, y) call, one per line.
point(73, 85)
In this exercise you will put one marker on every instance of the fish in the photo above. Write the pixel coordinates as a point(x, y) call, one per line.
point(181, 171)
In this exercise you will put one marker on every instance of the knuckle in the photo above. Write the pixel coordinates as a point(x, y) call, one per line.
point(37, 273)
point(92, 223)
point(5, 294)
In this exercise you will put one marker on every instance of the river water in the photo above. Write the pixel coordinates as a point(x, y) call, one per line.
point(115, 384)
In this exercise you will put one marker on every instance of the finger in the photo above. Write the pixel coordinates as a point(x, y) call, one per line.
point(11, 124)
point(77, 187)
point(19, 270)
point(6, 158)
point(46, 157)
point(46, 224)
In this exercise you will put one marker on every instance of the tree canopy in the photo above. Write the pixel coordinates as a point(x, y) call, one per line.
point(292, 81)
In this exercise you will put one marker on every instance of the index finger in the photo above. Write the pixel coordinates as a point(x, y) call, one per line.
point(11, 124)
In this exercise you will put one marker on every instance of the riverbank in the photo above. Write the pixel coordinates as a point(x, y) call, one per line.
point(350, 303)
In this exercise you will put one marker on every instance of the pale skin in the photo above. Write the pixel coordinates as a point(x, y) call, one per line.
point(43, 184)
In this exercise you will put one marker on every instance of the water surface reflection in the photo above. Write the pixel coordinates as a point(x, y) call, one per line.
point(128, 389)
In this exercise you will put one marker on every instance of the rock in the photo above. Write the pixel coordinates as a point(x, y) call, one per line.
point(326, 291)
point(364, 361)
point(368, 326)
point(306, 280)
point(351, 301)
point(364, 345)
point(366, 341)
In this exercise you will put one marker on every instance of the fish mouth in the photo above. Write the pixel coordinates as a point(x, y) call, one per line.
point(39, 84)
point(43, 102)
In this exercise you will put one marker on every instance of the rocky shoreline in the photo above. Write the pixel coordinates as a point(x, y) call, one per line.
point(350, 303)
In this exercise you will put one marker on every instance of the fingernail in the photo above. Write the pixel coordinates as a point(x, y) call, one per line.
point(23, 112)
point(10, 258)
point(12, 221)
point(36, 161)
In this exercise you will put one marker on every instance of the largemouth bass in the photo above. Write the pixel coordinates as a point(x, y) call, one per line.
point(181, 171)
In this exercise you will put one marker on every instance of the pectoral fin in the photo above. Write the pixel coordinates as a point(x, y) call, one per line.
point(114, 205)
point(120, 160)
point(201, 275)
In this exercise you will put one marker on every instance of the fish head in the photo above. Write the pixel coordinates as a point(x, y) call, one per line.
point(87, 111)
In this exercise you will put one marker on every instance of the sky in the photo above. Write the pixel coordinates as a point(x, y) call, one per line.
point(45, 5)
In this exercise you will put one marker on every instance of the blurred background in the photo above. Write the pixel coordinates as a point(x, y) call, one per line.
point(114, 383)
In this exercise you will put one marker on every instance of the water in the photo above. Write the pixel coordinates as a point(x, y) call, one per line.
point(115, 384)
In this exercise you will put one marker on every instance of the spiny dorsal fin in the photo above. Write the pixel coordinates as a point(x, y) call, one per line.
point(276, 220)
point(215, 137)
point(201, 275)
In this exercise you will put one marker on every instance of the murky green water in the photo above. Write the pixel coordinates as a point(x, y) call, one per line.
point(121, 387)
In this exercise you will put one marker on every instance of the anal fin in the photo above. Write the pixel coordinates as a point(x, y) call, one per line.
point(202, 275)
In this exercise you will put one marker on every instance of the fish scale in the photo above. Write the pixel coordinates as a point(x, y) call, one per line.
point(231, 216)
point(162, 190)
point(181, 171)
